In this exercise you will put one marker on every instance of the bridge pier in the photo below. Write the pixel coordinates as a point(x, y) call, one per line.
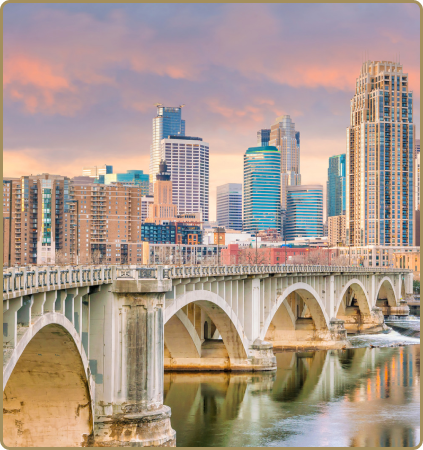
point(356, 322)
point(137, 416)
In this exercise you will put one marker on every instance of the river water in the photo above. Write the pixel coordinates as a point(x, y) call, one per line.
point(357, 397)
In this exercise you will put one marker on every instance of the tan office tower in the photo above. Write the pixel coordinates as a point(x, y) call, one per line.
point(162, 208)
point(380, 156)
point(284, 137)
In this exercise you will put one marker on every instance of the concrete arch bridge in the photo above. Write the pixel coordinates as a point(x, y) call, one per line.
point(85, 347)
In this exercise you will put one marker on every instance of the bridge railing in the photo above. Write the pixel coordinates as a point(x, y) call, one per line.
point(45, 278)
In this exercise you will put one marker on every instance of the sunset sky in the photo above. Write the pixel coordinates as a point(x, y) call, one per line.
point(81, 80)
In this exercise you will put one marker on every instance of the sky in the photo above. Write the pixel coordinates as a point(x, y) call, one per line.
point(80, 81)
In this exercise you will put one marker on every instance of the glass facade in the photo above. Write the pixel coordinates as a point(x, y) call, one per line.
point(229, 206)
point(335, 187)
point(304, 215)
point(262, 189)
point(263, 137)
point(137, 177)
point(380, 158)
point(167, 122)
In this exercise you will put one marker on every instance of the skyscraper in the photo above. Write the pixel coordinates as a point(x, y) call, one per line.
point(417, 175)
point(335, 186)
point(262, 188)
point(304, 215)
point(188, 164)
point(167, 122)
point(284, 137)
point(229, 206)
point(163, 207)
point(263, 137)
point(380, 158)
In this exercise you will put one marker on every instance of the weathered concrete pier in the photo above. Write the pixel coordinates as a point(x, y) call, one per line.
point(85, 348)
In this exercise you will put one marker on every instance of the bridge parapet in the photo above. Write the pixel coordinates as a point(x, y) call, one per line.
point(30, 280)
point(19, 281)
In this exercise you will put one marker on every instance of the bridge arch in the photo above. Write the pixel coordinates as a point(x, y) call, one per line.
point(311, 299)
point(221, 314)
point(47, 388)
point(361, 296)
point(386, 291)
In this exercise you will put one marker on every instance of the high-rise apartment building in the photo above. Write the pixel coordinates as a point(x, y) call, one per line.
point(263, 137)
point(96, 171)
point(417, 175)
point(304, 215)
point(284, 137)
point(36, 210)
point(380, 158)
point(187, 161)
point(335, 186)
point(229, 206)
point(336, 230)
point(167, 122)
point(262, 189)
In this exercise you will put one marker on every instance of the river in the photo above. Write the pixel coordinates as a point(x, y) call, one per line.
point(357, 397)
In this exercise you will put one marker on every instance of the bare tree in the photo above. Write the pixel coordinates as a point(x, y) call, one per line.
point(340, 260)
point(96, 257)
point(250, 256)
point(60, 259)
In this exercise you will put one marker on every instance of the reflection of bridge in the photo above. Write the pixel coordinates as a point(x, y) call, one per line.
point(121, 326)
point(210, 404)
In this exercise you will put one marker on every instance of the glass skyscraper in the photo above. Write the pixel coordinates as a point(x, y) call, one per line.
point(167, 122)
point(229, 206)
point(380, 158)
point(263, 137)
point(262, 188)
point(304, 215)
point(284, 137)
point(335, 186)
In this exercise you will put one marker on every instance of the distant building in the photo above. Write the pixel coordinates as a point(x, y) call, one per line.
point(408, 260)
point(187, 159)
point(96, 171)
point(167, 122)
point(335, 186)
point(229, 206)
point(262, 188)
point(336, 230)
point(163, 208)
point(171, 233)
point(284, 137)
point(135, 177)
point(263, 137)
point(304, 211)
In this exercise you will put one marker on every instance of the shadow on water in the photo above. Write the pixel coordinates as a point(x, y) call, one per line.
point(354, 397)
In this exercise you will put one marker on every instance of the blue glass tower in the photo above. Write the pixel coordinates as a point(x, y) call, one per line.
point(167, 122)
point(335, 186)
point(137, 177)
point(304, 215)
point(262, 188)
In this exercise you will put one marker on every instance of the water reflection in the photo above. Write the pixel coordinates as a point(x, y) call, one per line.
point(355, 397)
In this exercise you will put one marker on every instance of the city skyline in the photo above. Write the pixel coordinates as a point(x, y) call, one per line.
point(99, 109)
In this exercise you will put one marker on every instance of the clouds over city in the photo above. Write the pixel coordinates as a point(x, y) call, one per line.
point(81, 80)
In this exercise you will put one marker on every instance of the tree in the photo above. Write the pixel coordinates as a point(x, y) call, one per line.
point(96, 257)
point(60, 259)
point(416, 287)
